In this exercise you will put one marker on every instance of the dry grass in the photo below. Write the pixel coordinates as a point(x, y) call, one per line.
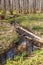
point(7, 35)
point(33, 21)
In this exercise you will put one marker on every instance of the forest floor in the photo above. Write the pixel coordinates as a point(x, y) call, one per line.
point(35, 59)
point(35, 23)
point(32, 21)
point(7, 36)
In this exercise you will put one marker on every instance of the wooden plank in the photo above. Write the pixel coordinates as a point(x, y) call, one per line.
point(33, 36)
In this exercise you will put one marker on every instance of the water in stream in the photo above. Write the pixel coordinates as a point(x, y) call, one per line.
point(12, 52)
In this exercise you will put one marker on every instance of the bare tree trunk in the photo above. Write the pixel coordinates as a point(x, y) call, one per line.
point(34, 6)
point(41, 5)
point(0, 4)
point(27, 6)
point(19, 5)
point(4, 11)
point(11, 6)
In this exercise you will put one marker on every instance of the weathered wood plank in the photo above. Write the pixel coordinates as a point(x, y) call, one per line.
point(30, 35)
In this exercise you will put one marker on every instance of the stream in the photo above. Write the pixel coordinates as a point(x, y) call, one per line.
point(12, 52)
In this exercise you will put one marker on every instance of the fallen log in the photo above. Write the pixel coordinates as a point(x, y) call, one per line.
point(38, 41)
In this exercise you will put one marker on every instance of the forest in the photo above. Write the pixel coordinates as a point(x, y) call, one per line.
point(23, 6)
point(21, 32)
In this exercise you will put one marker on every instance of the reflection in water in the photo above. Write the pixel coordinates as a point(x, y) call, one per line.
point(12, 52)
point(3, 58)
point(9, 55)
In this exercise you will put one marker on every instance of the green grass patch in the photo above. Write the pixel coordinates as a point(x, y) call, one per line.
point(32, 21)
point(38, 28)
point(36, 59)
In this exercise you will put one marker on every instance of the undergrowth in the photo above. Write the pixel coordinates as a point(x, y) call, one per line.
point(37, 59)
